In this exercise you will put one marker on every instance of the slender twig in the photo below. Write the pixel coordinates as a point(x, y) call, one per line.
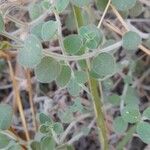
point(72, 124)
point(84, 56)
point(29, 84)
point(79, 135)
point(104, 13)
point(18, 99)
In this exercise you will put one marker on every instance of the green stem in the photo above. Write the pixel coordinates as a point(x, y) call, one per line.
point(93, 85)
point(126, 138)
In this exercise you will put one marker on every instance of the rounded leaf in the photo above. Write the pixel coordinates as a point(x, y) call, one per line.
point(136, 10)
point(30, 54)
point(6, 114)
point(2, 26)
point(120, 125)
point(123, 4)
point(114, 99)
point(131, 40)
point(49, 30)
point(35, 145)
point(35, 10)
point(73, 87)
point(64, 76)
point(48, 143)
point(92, 36)
point(104, 65)
point(143, 130)
point(58, 128)
point(43, 118)
point(72, 43)
point(101, 4)
point(81, 76)
point(4, 141)
point(146, 113)
point(61, 5)
point(48, 70)
point(36, 30)
point(131, 114)
point(80, 3)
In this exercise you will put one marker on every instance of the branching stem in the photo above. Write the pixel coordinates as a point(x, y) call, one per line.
point(93, 85)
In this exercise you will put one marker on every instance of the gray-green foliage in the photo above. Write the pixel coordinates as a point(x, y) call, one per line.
point(91, 35)
point(123, 4)
point(61, 5)
point(136, 10)
point(49, 30)
point(131, 114)
point(146, 113)
point(143, 130)
point(131, 40)
point(80, 3)
point(4, 141)
point(103, 65)
point(72, 43)
point(6, 113)
point(30, 54)
point(1, 23)
point(48, 70)
point(64, 76)
point(120, 125)
point(35, 10)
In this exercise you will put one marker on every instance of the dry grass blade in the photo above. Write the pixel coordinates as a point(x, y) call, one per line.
point(29, 84)
point(144, 49)
point(18, 99)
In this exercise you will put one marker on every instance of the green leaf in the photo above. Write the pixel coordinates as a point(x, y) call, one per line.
point(48, 70)
point(36, 30)
point(70, 22)
point(73, 87)
point(44, 128)
point(131, 40)
point(48, 143)
point(46, 4)
point(15, 146)
point(123, 4)
point(143, 130)
point(64, 76)
point(49, 29)
point(4, 141)
point(81, 77)
point(35, 10)
point(43, 118)
point(92, 36)
point(6, 114)
point(80, 3)
point(104, 65)
point(119, 125)
point(77, 106)
point(35, 145)
point(131, 97)
point(58, 128)
point(114, 99)
point(61, 5)
point(2, 26)
point(65, 116)
point(101, 4)
point(30, 54)
point(146, 113)
point(131, 114)
point(136, 10)
point(72, 43)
